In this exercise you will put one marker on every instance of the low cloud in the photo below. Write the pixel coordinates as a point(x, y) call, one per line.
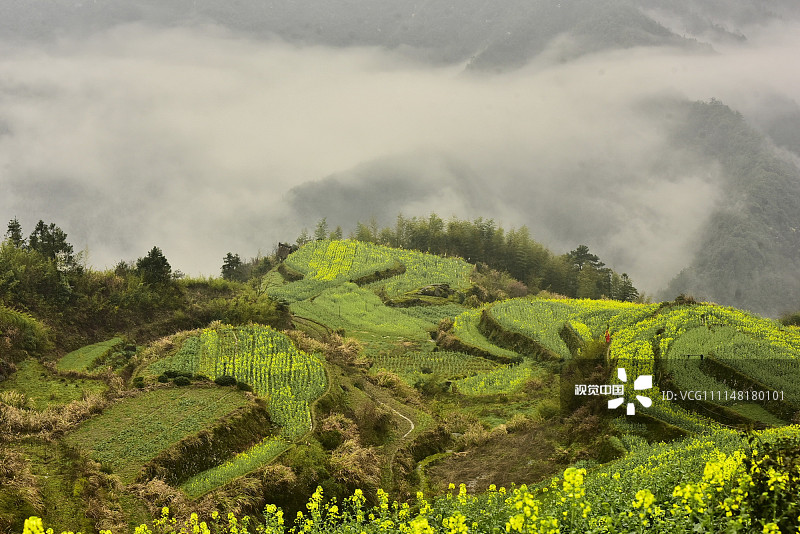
point(203, 142)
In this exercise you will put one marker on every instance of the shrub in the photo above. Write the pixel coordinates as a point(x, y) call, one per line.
point(225, 380)
point(163, 379)
point(181, 381)
point(138, 382)
point(548, 408)
point(243, 386)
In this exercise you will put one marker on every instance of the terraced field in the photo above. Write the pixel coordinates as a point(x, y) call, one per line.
point(327, 264)
point(83, 358)
point(261, 357)
point(42, 389)
point(133, 431)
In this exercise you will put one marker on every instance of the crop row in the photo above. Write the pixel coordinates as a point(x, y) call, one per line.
point(269, 362)
point(508, 378)
point(237, 466)
point(355, 309)
point(261, 357)
point(447, 364)
point(465, 328)
point(328, 263)
point(542, 319)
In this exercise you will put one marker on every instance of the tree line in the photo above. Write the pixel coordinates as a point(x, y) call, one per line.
point(42, 277)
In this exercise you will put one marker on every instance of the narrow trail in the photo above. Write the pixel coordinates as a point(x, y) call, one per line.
point(410, 422)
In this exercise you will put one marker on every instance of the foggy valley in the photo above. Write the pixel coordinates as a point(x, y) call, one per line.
point(665, 135)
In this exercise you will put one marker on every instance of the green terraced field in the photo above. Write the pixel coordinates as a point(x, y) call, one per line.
point(43, 389)
point(465, 328)
point(261, 357)
point(504, 379)
point(82, 359)
point(327, 264)
point(241, 464)
point(134, 430)
point(542, 319)
point(446, 364)
point(358, 310)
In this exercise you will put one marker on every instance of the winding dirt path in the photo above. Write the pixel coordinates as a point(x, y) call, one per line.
point(410, 422)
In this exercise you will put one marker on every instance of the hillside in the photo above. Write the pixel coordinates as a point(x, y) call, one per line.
point(747, 253)
point(586, 121)
point(388, 376)
point(505, 34)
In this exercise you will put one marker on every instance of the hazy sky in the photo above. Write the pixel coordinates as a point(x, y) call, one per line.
point(202, 142)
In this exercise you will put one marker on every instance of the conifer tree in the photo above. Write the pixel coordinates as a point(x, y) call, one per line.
point(154, 268)
point(14, 233)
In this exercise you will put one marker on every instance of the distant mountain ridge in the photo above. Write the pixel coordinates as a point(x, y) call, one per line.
point(749, 251)
point(488, 35)
point(749, 254)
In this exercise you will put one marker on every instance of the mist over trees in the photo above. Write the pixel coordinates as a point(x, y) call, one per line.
point(588, 121)
point(749, 251)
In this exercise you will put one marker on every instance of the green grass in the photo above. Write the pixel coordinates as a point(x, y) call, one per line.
point(448, 365)
point(465, 328)
point(241, 464)
point(360, 311)
point(82, 359)
point(327, 264)
point(134, 430)
point(43, 389)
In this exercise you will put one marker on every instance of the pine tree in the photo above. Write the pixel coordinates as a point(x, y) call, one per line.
point(321, 231)
point(231, 267)
point(303, 238)
point(154, 268)
point(14, 233)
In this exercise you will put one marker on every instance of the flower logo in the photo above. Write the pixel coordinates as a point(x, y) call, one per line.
point(641, 383)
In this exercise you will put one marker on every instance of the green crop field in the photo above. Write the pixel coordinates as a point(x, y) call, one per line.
point(465, 328)
point(451, 365)
point(83, 358)
point(358, 310)
point(433, 314)
point(542, 319)
point(261, 357)
point(504, 379)
point(757, 347)
point(327, 264)
point(42, 389)
point(134, 430)
point(241, 464)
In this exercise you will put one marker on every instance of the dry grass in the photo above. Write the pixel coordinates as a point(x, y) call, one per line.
point(16, 421)
point(16, 478)
point(356, 466)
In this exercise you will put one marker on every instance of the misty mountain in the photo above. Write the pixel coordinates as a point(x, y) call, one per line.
point(749, 251)
point(386, 187)
point(488, 35)
point(206, 126)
